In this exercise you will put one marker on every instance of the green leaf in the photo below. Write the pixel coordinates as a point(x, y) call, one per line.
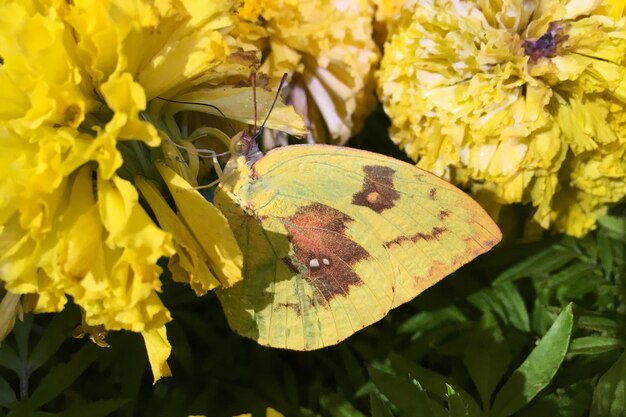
point(593, 345)
point(504, 300)
point(351, 366)
point(513, 306)
point(576, 271)
point(576, 281)
point(432, 381)
point(487, 357)
point(599, 324)
point(20, 409)
point(62, 376)
point(537, 370)
point(571, 401)
point(542, 262)
point(9, 359)
point(96, 409)
point(541, 317)
point(609, 397)
point(456, 405)
point(409, 397)
point(7, 395)
point(429, 319)
point(55, 333)
point(615, 227)
point(21, 331)
point(605, 252)
point(378, 407)
point(338, 406)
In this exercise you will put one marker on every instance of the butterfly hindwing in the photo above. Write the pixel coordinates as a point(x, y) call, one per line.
point(333, 238)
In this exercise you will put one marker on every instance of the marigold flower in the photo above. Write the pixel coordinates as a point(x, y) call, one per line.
point(327, 48)
point(76, 138)
point(522, 102)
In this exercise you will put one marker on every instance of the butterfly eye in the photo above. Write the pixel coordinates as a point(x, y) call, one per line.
point(241, 147)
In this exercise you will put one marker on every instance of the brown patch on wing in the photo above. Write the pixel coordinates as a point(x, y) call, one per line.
point(290, 306)
point(378, 192)
point(432, 235)
point(317, 234)
point(433, 193)
point(443, 214)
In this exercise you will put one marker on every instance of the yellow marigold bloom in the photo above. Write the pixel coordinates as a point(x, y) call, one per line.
point(522, 101)
point(269, 412)
point(326, 47)
point(75, 80)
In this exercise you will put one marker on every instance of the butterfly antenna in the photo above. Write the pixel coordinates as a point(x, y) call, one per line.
point(203, 104)
point(253, 77)
point(280, 86)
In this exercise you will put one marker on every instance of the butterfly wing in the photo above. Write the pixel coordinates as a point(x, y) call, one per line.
point(333, 238)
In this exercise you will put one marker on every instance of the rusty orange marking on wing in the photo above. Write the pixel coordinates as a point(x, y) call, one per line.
point(378, 192)
point(321, 248)
point(432, 235)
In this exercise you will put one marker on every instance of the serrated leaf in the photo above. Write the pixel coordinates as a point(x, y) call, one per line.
point(513, 306)
point(487, 357)
point(504, 300)
point(433, 382)
point(609, 397)
point(542, 262)
point(378, 407)
point(409, 397)
point(55, 333)
point(7, 395)
point(62, 376)
point(594, 345)
point(96, 409)
point(456, 405)
point(537, 370)
point(338, 406)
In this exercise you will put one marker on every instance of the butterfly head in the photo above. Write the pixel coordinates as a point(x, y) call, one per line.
point(244, 151)
point(245, 145)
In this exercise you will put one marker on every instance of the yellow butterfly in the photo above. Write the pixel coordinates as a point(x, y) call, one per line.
point(333, 238)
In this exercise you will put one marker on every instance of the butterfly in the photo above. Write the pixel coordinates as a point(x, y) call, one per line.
point(333, 238)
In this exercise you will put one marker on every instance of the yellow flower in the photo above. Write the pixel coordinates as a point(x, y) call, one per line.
point(269, 412)
point(75, 81)
point(327, 49)
point(521, 101)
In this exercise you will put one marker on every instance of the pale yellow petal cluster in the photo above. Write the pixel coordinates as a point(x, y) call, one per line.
point(207, 253)
point(521, 101)
point(326, 47)
point(75, 79)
